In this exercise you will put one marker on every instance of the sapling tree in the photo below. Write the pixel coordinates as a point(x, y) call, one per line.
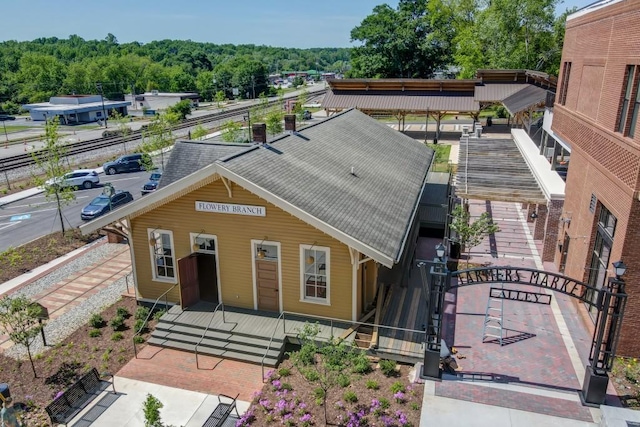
point(198, 132)
point(123, 127)
point(231, 131)
point(325, 364)
point(159, 136)
point(20, 320)
point(471, 233)
point(52, 160)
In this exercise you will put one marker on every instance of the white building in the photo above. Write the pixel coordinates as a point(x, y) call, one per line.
point(73, 109)
point(155, 100)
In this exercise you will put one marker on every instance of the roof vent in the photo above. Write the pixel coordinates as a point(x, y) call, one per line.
point(353, 171)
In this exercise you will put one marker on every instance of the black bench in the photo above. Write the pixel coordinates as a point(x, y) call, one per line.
point(72, 400)
point(222, 411)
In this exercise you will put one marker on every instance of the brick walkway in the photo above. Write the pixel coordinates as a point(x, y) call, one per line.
point(178, 369)
point(76, 288)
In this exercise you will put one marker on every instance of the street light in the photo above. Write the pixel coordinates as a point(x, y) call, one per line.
point(440, 249)
point(104, 113)
point(620, 268)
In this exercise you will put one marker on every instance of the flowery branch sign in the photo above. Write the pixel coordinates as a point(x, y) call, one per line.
point(228, 208)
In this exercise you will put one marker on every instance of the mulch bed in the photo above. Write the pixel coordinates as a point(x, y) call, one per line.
point(300, 405)
point(60, 365)
point(23, 259)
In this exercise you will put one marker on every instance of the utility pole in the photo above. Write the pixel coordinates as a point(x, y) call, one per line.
point(253, 86)
point(104, 113)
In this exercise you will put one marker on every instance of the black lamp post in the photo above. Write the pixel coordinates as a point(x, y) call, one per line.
point(104, 113)
point(620, 268)
point(440, 249)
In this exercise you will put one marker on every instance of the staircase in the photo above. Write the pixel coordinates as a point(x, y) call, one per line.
point(234, 339)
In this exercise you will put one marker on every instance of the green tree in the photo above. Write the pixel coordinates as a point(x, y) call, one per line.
point(231, 131)
point(122, 123)
point(198, 132)
point(180, 109)
point(273, 120)
point(158, 137)
point(470, 234)
point(151, 408)
point(220, 98)
point(20, 320)
point(398, 43)
point(51, 159)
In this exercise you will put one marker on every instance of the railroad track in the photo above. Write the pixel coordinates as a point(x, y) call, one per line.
point(27, 159)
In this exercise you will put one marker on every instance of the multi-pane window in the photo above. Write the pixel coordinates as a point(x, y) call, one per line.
point(315, 273)
point(566, 73)
point(636, 109)
point(626, 98)
point(601, 252)
point(162, 255)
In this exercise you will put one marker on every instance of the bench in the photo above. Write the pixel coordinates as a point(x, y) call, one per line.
point(75, 398)
point(222, 411)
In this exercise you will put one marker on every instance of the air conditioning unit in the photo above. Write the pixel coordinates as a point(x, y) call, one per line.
point(154, 92)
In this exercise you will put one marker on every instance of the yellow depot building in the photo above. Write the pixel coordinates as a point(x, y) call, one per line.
point(308, 223)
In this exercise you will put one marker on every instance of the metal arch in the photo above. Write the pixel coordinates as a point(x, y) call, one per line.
point(528, 276)
point(610, 303)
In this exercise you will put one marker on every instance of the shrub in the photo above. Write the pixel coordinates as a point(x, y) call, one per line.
point(117, 323)
point(388, 367)
point(384, 403)
point(350, 396)
point(361, 364)
point(96, 321)
point(284, 372)
point(158, 314)
point(94, 333)
point(415, 406)
point(396, 387)
point(140, 326)
point(123, 312)
point(343, 380)
point(286, 386)
point(372, 385)
point(142, 312)
point(311, 375)
point(318, 393)
point(138, 339)
point(117, 336)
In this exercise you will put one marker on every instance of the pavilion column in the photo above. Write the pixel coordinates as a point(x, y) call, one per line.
point(439, 117)
point(549, 243)
point(531, 208)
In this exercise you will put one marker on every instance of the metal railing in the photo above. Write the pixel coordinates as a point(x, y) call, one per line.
point(224, 320)
point(270, 341)
point(331, 326)
point(144, 325)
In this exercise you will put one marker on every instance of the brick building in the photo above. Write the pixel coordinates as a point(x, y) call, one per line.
point(596, 113)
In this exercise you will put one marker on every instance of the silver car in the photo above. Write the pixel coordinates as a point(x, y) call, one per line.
point(81, 178)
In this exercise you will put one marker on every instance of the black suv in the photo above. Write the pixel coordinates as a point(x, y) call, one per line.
point(129, 163)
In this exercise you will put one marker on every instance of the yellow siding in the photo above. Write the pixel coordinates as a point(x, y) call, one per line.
point(234, 233)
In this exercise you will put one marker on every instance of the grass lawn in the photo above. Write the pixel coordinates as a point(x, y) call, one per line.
point(14, 128)
point(441, 163)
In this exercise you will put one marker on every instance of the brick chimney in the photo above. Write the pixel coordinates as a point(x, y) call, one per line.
point(259, 133)
point(290, 122)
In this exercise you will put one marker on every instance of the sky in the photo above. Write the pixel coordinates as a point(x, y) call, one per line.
point(290, 23)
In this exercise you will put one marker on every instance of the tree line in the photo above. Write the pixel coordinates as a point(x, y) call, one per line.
point(417, 39)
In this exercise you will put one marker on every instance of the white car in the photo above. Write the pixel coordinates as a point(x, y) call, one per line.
point(81, 178)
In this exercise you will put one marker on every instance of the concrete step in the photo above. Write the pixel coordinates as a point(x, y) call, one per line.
point(163, 329)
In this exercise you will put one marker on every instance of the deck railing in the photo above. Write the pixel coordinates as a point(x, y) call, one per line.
point(270, 342)
point(224, 320)
point(144, 325)
point(331, 321)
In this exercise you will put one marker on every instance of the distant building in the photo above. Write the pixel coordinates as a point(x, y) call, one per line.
point(74, 109)
point(155, 100)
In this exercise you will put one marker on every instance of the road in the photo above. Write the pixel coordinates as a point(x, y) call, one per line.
point(34, 217)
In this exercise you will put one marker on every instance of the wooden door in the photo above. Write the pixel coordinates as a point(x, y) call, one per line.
point(189, 285)
point(267, 285)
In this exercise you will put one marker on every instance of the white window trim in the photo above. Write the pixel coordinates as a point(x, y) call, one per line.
point(254, 249)
point(152, 255)
point(194, 236)
point(310, 300)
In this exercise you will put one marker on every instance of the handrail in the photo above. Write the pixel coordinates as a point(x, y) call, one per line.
point(207, 329)
point(270, 341)
point(166, 304)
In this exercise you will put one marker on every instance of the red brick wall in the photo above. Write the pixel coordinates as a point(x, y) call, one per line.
point(600, 45)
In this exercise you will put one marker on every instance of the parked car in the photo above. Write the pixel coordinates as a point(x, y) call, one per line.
point(152, 184)
point(81, 178)
point(129, 163)
point(103, 204)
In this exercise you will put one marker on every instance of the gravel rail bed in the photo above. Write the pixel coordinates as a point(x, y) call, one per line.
point(58, 329)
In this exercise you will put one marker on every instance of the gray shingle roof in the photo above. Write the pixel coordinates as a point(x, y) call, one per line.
point(525, 98)
point(190, 156)
point(311, 170)
point(496, 92)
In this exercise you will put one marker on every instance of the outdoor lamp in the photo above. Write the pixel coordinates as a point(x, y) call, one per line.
point(310, 259)
point(260, 251)
point(195, 245)
point(534, 215)
point(440, 250)
point(620, 268)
